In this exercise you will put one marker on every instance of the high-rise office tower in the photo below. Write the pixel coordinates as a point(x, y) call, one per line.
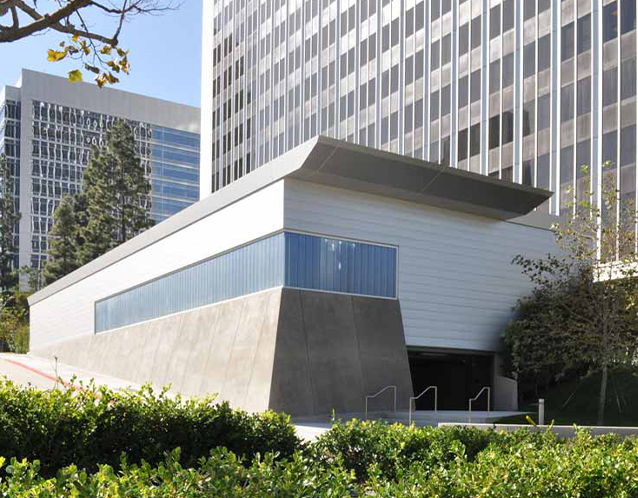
point(48, 127)
point(527, 91)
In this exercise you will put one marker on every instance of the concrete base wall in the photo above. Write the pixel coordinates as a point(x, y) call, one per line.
point(505, 389)
point(505, 394)
point(300, 352)
point(333, 350)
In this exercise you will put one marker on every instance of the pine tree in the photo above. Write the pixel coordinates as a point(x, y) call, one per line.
point(80, 205)
point(9, 218)
point(98, 235)
point(62, 256)
point(117, 195)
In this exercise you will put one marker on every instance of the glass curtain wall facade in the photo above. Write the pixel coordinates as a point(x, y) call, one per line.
point(61, 149)
point(523, 90)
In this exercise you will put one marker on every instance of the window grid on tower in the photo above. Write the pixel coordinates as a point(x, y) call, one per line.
point(526, 91)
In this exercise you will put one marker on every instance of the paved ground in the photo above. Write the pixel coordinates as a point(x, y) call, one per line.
point(45, 374)
point(310, 430)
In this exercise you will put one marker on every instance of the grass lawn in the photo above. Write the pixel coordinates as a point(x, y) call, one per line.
point(576, 402)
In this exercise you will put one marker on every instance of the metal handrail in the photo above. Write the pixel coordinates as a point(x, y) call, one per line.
point(414, 398)
point(486, 388)
point(394, 388)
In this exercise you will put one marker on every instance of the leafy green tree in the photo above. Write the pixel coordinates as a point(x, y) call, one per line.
point(586, 299)
point(117, 195)
point(62, 256)
point(33, 278)
point(532, 355)
point(9, 218)
point(14, 328)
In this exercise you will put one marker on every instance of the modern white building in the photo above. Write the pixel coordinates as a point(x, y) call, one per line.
point(321, 277)
point(47, 128)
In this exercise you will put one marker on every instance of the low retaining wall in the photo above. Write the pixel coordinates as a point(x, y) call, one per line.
point(561, 430)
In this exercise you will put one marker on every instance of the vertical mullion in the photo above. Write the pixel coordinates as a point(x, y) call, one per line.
point(518, 96)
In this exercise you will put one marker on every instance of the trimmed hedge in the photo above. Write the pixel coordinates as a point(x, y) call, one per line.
point(91, 426)
point(358, 445)
point(544, 467)
point(220, 475)
point(92, 443)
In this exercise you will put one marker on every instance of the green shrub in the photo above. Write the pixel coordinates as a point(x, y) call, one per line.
point(88, 427)
point(359, 444)
point(92, 443)
point(584, 467)
point(220, 475)
point(525, 466)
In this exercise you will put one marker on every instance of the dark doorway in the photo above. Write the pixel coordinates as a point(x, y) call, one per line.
point(458, 377)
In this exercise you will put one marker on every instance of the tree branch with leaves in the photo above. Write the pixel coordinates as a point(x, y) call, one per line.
point(97, 51)
point(585, 297)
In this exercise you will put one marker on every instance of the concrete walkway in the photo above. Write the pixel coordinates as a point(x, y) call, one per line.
point(27, 370)
point(432, 418)
point(309, 431)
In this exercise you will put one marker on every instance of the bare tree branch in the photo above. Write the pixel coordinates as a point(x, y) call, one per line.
point(61, 19)
point(97, 49)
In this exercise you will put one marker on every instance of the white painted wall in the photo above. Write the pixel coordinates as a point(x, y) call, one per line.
point(456, 284)
point(69, 313)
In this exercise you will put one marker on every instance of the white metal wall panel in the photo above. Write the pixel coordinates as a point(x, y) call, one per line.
point(456, 285)
point(70, 312)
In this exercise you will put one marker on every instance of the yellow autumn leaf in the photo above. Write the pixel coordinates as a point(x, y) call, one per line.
point(101, 80)
point(112, 79)
point(122, 53)
point(56, 55)
point(76, 38)
point(75, 76)
point(106, 50)
point(125, 66)
point(91, 68)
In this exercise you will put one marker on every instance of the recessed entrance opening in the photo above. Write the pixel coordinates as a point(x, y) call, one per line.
point(458, 377)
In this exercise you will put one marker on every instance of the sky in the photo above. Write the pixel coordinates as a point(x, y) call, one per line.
point(165, 55)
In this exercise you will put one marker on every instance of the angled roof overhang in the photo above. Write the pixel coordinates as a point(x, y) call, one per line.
point(345, 165)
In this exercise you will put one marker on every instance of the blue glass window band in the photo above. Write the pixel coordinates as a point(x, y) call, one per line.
point(285, 259)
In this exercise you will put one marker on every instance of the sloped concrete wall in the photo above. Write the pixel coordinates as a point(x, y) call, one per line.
point(333, 350)
point(300, 352)
point(227, 349)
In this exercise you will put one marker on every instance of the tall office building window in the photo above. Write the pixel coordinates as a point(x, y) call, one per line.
point(610, 21)
point(627, 16)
